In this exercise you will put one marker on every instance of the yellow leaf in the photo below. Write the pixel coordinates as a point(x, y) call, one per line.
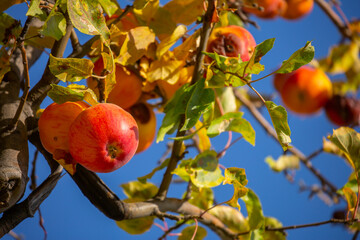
point(204, 140)
point(148, 11)
point(167, 68)
point(135, 45)
point(188, 47)
point(65, 159)
point(351, 198)
point(166, 43)
point(185, 11)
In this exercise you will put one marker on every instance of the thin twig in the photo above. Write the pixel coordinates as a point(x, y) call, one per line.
point(33, 184)
point(314, 154)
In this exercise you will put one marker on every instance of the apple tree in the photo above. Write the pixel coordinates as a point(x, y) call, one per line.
point(193, 66)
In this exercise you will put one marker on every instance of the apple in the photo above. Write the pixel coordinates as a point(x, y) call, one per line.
point(343, 110)
point(269, 8)
point(297, 9)
point(54, 124)
point(231, 41)
point(128, 87)
point(103, 138)
point(306, 90)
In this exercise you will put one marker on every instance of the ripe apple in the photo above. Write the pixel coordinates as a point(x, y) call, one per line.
point(146, 121)
point(297, 9)
point(306, 90)
point(103, 138)
point(270, 8)
point(127, 89)
point(343, 110)
point(231, 41)
point(54, 124)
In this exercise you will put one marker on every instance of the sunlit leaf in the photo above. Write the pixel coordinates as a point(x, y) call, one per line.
point(88, 18)
point(227, 99)
point(72, 93)
point(164, 164)
point(231, 218)
point(236, 177)
point(70, 69)
point(202, 178)
point(273, 235)
point(352, 183)
point(201, 197)
point(35, 11)
point(109, 6)
point(135, 45)
point(184, 11)
point(204, 141)
point(186, 48)
point(188, 232)
point(351, 198)
point(168, 42)
point(254, 209)
point(136, 226)
point(278, 116)
point(139, 191)
point(55, 25)
point(167, 68)
point(299, 58)
point(110, 79)
point(348, 141)
point(260, 51)
point(284, 162)
point(200, 100)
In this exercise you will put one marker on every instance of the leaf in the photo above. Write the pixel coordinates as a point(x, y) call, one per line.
point(70, 69)
point(72, 93)
point(188, 232)
point(139, 191)
point(201, 98)
point(253, 207)
point(54, 26)
point(201, 197)
point(204, 141)
point(232, 121)
point(236, 177)
point(35, 11)
point(284, 162)
point(109, 6)
point(299, 58)
point(8, 3)
point(273, 235)
point(207, 160)
point(167, 68)
point(136, 226)
point(183, 51)
point(209, 179)
point(8, 26)
point(87, 17)
point(227, 99)
point(341, 58)
point(260, 51)
point(351, 198)
point(348, 141)
point(167, 42)
point(185, 11)
point(231, 218)
point(278, 116)
point(135, 45)
point(173, 111)
point(164, 164)
point(110, 79)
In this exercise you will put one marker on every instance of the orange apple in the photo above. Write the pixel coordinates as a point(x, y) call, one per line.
point(269, 8)
point(103, 138)
point(296, 9)
point(127, 89)
point(54, 124)
point(306, 90)
point(231, 41)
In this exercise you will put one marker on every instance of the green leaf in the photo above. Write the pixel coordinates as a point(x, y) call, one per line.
point(72, 93)
point(136, 226)
point(254, 209)
point(55, 25)
point(173, 111)
point(284, 162)
point(352, 183)
point(35, 11)
point(273, 235)
point(299, 58)
point(227, 99)
point(351, 198)
point(207, 160)
point(140, 4)
point(201, 98)
point(139, 191)
point(110, 79)
point(87, 17)
point(201, 197)
point(109, 6)
point(188, 232)
point(236, 177)
point(70, 69)
point(164, 164)
point(232, 121)
point(209, 179)
point(348, 141)
point(231, 218)
point(260, 51)
point(278, 116)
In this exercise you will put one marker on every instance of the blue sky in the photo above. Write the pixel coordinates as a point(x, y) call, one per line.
point(69, 215)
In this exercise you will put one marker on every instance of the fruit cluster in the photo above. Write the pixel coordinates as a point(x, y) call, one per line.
point(287, 9)
point(308, 90)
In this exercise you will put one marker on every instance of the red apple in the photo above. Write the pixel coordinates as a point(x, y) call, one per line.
point(343, 110)
point(103, 138)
